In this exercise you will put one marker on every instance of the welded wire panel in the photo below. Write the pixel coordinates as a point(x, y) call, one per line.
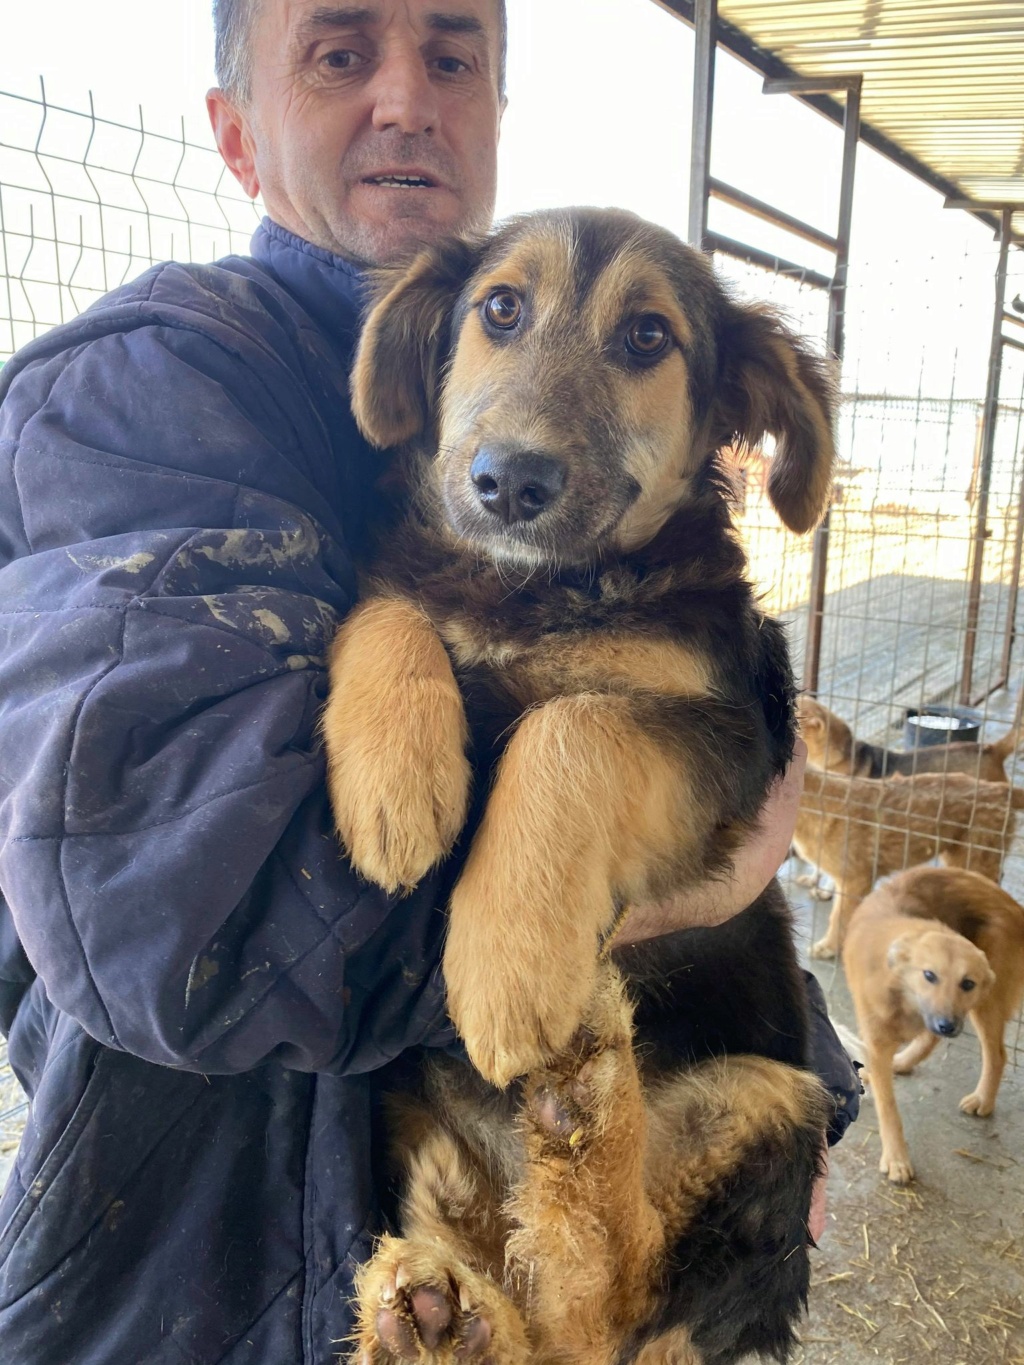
point(87, 203)
point(943, 79)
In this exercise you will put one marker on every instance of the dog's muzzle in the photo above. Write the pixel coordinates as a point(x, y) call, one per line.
point(516, 485)
point(945, 1026)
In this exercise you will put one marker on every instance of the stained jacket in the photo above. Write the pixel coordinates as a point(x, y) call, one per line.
point(196, 987)
point(199, 994)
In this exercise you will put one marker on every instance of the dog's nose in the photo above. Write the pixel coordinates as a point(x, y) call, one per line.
point(947, 1027)
point(516, 485)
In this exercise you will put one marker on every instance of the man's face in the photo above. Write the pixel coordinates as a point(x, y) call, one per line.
point(371, 128)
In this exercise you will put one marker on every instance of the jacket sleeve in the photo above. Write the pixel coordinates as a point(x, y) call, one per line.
point(833, 1065)
point(167, 598)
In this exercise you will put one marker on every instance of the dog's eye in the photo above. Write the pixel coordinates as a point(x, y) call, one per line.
point(967, 984)
point(930, 977)
point(503, 309)
point(647, 337)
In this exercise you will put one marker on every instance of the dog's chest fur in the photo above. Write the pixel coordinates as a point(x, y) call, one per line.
point(674, 620)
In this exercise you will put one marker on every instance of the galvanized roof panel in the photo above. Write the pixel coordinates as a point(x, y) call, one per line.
point(943, 79)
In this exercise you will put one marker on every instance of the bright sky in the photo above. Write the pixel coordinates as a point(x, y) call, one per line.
point(599, 112)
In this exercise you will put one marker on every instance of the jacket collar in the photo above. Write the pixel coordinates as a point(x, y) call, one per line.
point(331, 289)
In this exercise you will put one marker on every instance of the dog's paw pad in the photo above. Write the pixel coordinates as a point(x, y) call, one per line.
point(476, 1338)
point(557, 1114)
point(397, 1335)
point(425, 1322)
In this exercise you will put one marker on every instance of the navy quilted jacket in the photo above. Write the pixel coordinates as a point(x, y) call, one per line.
point(196, 987)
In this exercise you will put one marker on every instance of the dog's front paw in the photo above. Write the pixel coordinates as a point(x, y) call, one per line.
point(399, 803)
point(978, 1104)
point(826, 947)
point(395, 733)
point(414, 1304)
point(897, 1166)
point(518, 985)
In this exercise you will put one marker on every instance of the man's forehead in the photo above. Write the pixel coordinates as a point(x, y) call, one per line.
point(438, 16)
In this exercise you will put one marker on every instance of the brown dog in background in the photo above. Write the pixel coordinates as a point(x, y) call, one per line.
point(561, 581)
point(928, 948)
point(858, 829)
point(832, 747)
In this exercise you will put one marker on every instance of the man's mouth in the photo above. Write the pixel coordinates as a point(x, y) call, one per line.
point(401, 182)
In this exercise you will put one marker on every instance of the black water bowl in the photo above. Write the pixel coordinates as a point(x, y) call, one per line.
point(940, 725)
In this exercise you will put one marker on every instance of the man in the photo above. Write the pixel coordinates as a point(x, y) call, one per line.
point(197, 990)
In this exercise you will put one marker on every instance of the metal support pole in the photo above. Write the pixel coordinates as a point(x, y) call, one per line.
point(1010, 634)
point(705, 19)
point(836, 337)
point(988, 442)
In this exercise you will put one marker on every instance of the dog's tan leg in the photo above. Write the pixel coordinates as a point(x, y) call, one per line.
point(922, 1045)
point(433, 1296)
point(588, 1238)
point(850, 891)
point(395, 734)
point(585, 804)
point(674, 1348)
point(989, 1024)
point(895, 1159)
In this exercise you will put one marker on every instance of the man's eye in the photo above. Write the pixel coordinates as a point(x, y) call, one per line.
point(451, 66)
point(343, 59)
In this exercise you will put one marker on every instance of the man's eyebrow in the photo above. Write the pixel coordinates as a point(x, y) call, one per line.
point(455, 23)
point(334, 16)
point(352, 16)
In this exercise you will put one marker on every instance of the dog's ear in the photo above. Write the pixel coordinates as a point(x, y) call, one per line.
point(773, 384)
point(403, 341)
point(899, 952)
point(807, 719)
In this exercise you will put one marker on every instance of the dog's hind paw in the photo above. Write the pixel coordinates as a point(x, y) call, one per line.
point(415, 1305)
point(824, 948)
point(576, 1095)
point(977, 1104)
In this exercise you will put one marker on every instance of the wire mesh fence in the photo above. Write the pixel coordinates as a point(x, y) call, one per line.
point(87, 203)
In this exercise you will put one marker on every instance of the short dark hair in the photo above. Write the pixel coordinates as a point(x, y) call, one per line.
point(233, 22)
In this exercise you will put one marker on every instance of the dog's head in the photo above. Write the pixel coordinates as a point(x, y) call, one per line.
point(829, 740)
point(576, 374)
point(943, 976)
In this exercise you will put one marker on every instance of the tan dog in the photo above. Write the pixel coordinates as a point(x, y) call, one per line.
point(932, 946)
point(831, 745)
point(858, 830)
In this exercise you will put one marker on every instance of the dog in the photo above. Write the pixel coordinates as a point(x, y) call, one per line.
point(832, 746)
point(926, 950)
point(624, 1172)
point(857, 829)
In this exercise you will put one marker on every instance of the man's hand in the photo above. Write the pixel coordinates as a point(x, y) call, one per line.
point(755, 863)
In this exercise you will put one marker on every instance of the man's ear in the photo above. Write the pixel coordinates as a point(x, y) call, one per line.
point(899, 952)
point(771, 383)
point(404, 339)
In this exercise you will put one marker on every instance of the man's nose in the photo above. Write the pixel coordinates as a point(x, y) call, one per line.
point(405, 98)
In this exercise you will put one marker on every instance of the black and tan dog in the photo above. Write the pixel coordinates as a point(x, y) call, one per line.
point(559, 394)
